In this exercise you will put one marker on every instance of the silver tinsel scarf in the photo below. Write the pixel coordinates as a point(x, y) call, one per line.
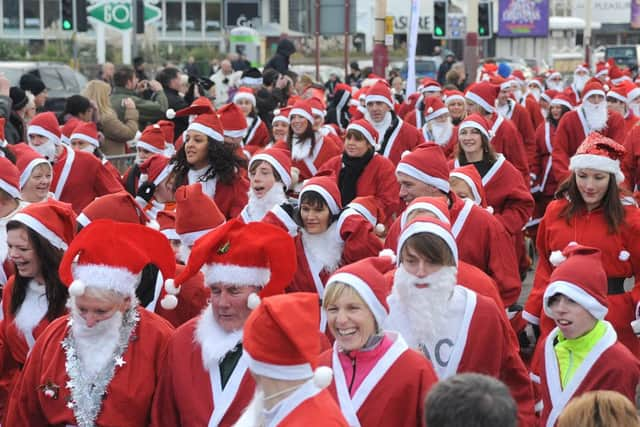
point(87, 393)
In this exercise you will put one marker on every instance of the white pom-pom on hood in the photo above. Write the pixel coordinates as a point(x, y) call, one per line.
point(322, 376)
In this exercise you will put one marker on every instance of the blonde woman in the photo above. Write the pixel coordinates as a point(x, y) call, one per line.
point(116, 132)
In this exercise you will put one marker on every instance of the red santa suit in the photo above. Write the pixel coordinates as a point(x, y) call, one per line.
point(391, 393)
point(520, 118)
point(620, 259)
point(112, 169)
point(377, 179)
point(506, 139)
point(572, 130)
point(193, 298)
point(630, 120)
point(189, 394)
point(533, 108)
point(483, 345)
point(545, 184)
point(257, 136)
point(79, 177)
point(608, 366)
point(230, 198)
point(631, 160)
point(401, 137)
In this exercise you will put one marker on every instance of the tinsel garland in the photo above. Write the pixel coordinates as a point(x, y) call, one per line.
point(87, 393)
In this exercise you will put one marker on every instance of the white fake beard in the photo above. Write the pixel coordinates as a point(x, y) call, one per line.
point(425, 308)
point(382, 125)
point(580, 81)
point(517, 94)
point(503, 109)
point(300, 150)
point(46, 150)
point(253, 415)
point(183, 253)
point(635, 108)
point(536, 93)
point(596, 114)
point(95, 346)
point(325, 248)
point(258, 207)
point(442, 132)
point(89, 149)
point(214, 341)
point(556, 86)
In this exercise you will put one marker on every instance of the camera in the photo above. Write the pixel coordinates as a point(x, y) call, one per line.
point(202, 82)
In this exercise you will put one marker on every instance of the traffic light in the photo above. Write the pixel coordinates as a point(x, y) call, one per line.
point(484, 19)
point(81, 16)
point(67, 15)
point(139, 16)
point(440, 19)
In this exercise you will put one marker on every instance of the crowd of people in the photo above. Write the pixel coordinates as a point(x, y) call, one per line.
point(287, 252)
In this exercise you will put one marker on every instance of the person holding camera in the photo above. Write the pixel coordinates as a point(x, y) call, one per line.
point(225, 78)
point(170, 79)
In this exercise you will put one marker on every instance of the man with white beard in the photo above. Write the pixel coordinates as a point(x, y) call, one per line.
point(554, 81)
point(206, 380)
point(580, 78)
point(455, 328)
point(438, 127)
point(617, 101)
point(85, 138)
point(396, 135)
point(99, 364)
point(574, 126)
point(78, 177)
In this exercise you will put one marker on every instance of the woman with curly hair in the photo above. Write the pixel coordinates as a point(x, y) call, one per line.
point(206, 159)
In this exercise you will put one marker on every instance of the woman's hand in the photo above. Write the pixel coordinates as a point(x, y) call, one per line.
point(128, 104)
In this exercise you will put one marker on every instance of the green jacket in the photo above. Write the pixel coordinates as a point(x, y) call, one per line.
point(150, 110)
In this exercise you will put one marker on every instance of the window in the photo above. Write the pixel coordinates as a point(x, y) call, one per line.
point(194, 16)
point(274, 11)
point(212, 14)
point(31, 14)
point(11, 14)
point(51, 12)
point(174, 16)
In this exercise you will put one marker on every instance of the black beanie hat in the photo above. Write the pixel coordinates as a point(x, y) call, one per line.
point(18, 98)
point(32, 83)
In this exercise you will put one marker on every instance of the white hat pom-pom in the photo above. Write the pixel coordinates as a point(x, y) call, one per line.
point(253, 301)
point(624, 255)
point(169, 302)
point(171, 114)
point(572, 243)
point(388, 253)
point(556, 258)
point(322, 376)
point(77, 288)
point(490, 209)
point(405, 153)
point(635, 325)
point(295, 175)
point(380, 228)
point(170, 287)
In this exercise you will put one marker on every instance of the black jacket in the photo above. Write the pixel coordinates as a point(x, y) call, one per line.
point(280, 61)
point(177, 103)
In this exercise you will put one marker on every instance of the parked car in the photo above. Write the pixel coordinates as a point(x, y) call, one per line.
point(625, 56)
point(426, 66)
point(60, 80)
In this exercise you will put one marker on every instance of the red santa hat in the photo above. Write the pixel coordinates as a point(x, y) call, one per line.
point(580, 277)
point(245, 93)
point(478, 122)
point(317, 107)
point(9, 178)
point(483, 94)
point(453, 95)
point(279, 159)
point(582, 67)
point(551, 74)
point(152, 140)
point(425, 224)
point(435, 205)
point(600, 153)
point(380, 92)
point(327, 188)
point(67, 129)
point(280, 339)
point(302, 108)
point(428, 85)
point(111, 255)
point(168, 129)
point(233, 121)
point(367, 278)
point(167, 222)
point(45, 124)
point(200, 105)
point(86, 131)
point(619, 92)
point(53, 220)
point(500, 81)
point(434, 108)
point(548, 95)
point(196, 213)
point(155, 169)
point(519, 75)
point(633, 93)
point(537, 81)
point(26, 160)
point(616, 75)
point(602, 69)
point(469, 174)
point(367, 130)
point(562, 99)
point(281, 115)
point(120, 207)
point(426, 164)
point(593, 87)
point(370, 210)
point(208, 124)
point(254, 254)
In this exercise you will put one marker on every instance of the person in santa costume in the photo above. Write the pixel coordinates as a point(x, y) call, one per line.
point(319, 111)
point(328, 237)
point(395, 135)
point(151, 142)
point(282, 348)
point(36, 174)
point(206, 159)
point(360, 171)
point(591, 116)
point(205, 378)
point(455, 328)
point(588, 210)
point(576, 90)
point(545, 101)
point(257, 132)
point(466, 182)
point(555, 81)
point(378, 379)
point(338, 108)
point(280, 124)
point(37, 237)
point(10, 204)
point(483, 240)
point(99, 364)
point(530, 97)
point(78, 177)
point(581, 353)
point(504, 136)
point(309, 150)
point(156, 186)
point(455, 103)
point(437, 125)
point(269, 179)
point(508, 195)
point(617, 101)
point(84, 137)
point(429, 88)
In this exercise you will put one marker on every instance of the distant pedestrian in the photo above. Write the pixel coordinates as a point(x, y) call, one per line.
point(280, 61)
point(445, 67)
point(355, 76)
point(33, 84)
